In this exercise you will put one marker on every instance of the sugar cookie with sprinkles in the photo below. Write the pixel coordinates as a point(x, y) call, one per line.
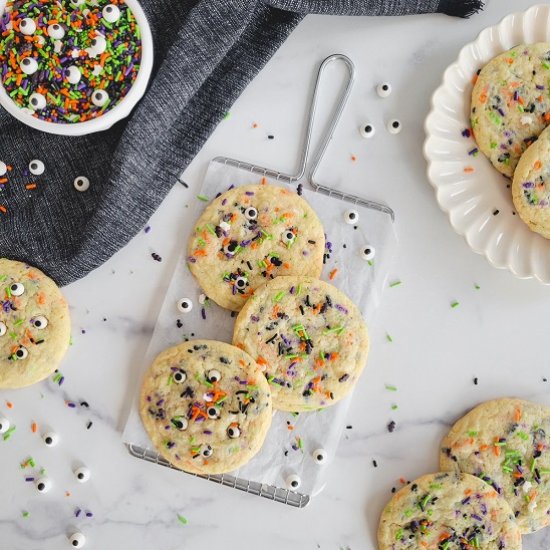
point(531, 186)
point(206, 406)
point(511, 104)
point(448, 511)
point(35, 327)
point(251, 234)
point(309, 337)
point(68, 61)
point(506, 443)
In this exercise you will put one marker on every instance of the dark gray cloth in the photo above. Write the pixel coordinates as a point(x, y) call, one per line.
point(206, 52)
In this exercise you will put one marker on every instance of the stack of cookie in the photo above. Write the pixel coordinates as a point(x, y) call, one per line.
point(299, 343)
point(494, 485)
point(510, 113)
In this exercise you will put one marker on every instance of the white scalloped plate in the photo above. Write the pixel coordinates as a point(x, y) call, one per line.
point(471, 198)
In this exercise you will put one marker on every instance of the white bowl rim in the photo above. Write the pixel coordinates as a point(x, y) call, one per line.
point(117, 113)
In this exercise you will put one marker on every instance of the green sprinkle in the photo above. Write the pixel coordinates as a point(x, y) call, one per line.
point(399, 534)
point(495, 118)
point(227, 115)
point(476, 286)
point(300, 443)
point(389, 338)
point(370, 262)
point(210, 229)
point(337, 330)
point(203, 198)
point(545, 65)
point(544, 471)
point(391, 388)
point(394, 407)
point(395, 283)
point(522, 435)
point(455, 304)
point(279, 296)
point(9, 433)
point(493, 144)
point(436, 486)
point(25, 514)
point(182, 519)
point(473, 433)
point(298, 289)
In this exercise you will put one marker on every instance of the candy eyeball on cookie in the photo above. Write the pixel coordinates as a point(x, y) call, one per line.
point(383, 89)
point(4, 425)
point(185, 305)
point(293, 481)
point(233, 432)
point(213, 413)
point(111, 13)
point(241, 282)
point(367, 252)
point(214, 375)
point(367, 130)
point(82, 474)
point(351, 217)
point(180, 423)
point(288, 237)
point(21, 353)
point(43, 485)
point(179, 376)
point(36, 167)
point(251, 213)
point(3, 328)
point(207, 451)
point(51, 439)
point(39, 322)
point(17, 289)
point(230, 248)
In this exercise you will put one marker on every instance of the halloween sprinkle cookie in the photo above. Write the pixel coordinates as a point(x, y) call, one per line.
point(309, 337)
point(68, 60)
point(251, 234)
point(448, 511)
point(511, 104)
point(35, 327)
point(506, 443)
point(531, 186)
point(205, 406)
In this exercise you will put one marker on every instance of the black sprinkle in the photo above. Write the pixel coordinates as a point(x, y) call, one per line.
point(311, 242)
point(545, 379)
point(270, 136)
point(84, 404)
point(179, 324)
point(104, 319)
point(249, 265)
point(302, 309)
point(233, 314)
point(355, 227)
point(156, 257)
point(345, 246)
point(393, 489)
point(286, 453)
point(184, 184)
point(375, 464)
point(391, 426)
point(349, 427)
point(475, 381)
point(495, 211)
point(89, 425)
point(300, 189)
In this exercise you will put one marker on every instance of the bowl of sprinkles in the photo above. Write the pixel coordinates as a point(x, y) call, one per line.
point(73, 67)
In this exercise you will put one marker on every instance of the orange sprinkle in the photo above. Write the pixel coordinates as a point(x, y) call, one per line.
point(402, 480)
point(353, 158)
point(474, 79)
point(483, 97)
point(517, 415)
point(30, 186)
point(290, 427)
point(261, 361)
point(264, 181)
point(67, 493)
point(483, 447)
point(537, 165)
point(41, 298)
point(200, 252)
point(3, 208)
point(332, 274)
point(254, 125)
point(9, 404)
point(34, 427)
point(468, 169)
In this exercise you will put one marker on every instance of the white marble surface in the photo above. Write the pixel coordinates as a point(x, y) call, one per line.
point(497, 334)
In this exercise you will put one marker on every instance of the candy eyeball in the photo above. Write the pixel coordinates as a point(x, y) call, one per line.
point(394, 126)
point(3, 328)
point(99, 97)
point(82, 474)
point(4, 425)
point(51, 439)
point(78, 3)
point(179, 376)
point(37, 101)
point(368, 252)
point(28, 65)
point(73, 74)
point(230, 248)
point(383, 89)
point(99, 44)
point(320, 456)
point(367, 130)
point(207, 451)
point(36, 167)
point(17, 289)
point(77, 540)
point(293, 481)
point(251, 213)
point(56, 31)
point(27, 26)
point(21, 353)
point(81, 183)
point(3, 168)
point(180, 423)
point(214, 376)
point(40, 322)
point(111, 13)
point(241, 282)
point(288, 237)
point(234, 432)
point(351, 217)
point(213, 413)
point(185, 305)
point(43, 485)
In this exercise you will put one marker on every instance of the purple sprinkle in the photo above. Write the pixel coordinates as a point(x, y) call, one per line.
point(249, 193)
point(160, 402)
point(503, 147)
point(192, 260)
point(473, 151)
point(203, 312)
point(29, 479)
point(170, 444)
point(343, 378)
point(342, 309)
point(528, 185)
point(476, 517)
point(246, 243)
point(501, 112)
point(516, 95)
point(540, 87)
point(71, 405)
point(147, 229)
point(466, 133)
point(224, 202)
point(207, 432)
point(149, 399)
point(77, 512)
point(466, 500)
point(230, 187)
point(292, 289)
point(254, 318)
point(89, 515)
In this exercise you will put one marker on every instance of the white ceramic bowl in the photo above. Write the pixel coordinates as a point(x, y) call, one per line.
point(118, 112)
point(471, 198)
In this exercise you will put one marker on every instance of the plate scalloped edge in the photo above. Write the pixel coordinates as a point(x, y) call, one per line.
point(475, 196)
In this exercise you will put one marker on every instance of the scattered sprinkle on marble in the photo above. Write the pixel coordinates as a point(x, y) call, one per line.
point(375, 464)
point(476, 380)
point(182, 519)
point(389, 387)
point(147, 229)
point(156, 257)
point(395, 283)
point(455, 304)
point(389, 338)
point(391, 426)
point(496, 211)
point(476, 286)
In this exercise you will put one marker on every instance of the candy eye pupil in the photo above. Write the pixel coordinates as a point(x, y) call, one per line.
point(41, 486)
point(395, 124)
point(48, 440)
